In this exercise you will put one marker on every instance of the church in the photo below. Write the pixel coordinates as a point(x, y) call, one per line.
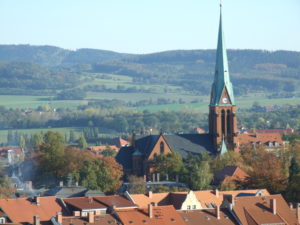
point(137, 158)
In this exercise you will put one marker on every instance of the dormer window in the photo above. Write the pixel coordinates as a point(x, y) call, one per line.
point(2, 220)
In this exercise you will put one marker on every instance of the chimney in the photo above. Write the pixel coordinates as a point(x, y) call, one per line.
point(217, 209)
point(167, 177)
point(291, 206)
point(177, 178)
point(217, 193)
point(273, 205)
point(37, 200)
point(61, 183)
point(91, 217)
point(150, 209)
point(59, 217)
point(145, 178)
point(230, 206)
point(157, 177)
point(298, 212)
point(36, 220)
point(76, 213)
point(150, 194)
point(153, 177)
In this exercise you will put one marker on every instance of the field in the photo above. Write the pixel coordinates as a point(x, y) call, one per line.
point(64, 131)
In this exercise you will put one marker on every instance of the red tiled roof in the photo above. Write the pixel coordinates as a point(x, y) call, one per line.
point(105, 219)
point(272, 131)
point(207, 216)
point(22, 210)
point(264, 138)
point(115, 200)
point(205, 197)
point(230, 171)
point(258, 209)
point(82, 203)
point(162, 215)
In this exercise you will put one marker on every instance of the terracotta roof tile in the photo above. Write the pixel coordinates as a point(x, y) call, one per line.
point(82, 203)
point(207, 216)
point(258, 209)
point(105, 219)
point(230, 171)
point(22, 210)
point(205, 197)
point(115, 200)
point(162, 215)
point(264, 138)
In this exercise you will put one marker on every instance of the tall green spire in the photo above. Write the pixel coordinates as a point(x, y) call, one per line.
point(221, 80)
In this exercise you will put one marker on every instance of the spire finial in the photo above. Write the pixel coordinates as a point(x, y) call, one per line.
point(220, 4)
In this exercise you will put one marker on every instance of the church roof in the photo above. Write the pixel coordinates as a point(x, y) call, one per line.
point(181, 143)
point(221, 82)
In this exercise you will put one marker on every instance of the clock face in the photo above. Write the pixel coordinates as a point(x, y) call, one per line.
point(225, 100)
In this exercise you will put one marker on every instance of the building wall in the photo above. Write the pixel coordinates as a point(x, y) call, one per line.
point(191, 202)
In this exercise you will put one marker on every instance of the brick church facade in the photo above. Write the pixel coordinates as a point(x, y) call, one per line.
point(137, 158)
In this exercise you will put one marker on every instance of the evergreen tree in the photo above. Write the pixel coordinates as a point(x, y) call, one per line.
point(72, 138)
point(294, 168)
point(22, 143)
point(82, 142)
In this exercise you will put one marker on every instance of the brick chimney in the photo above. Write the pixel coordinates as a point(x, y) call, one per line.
point(217, 193)
point(36, 220)
point(91, 217)
point(150, 209)
point(217, 209)
point(37, 200)
point(76, 213)
point(273, 205)
point(150, 194)
point(59, 217)
point(298, 212)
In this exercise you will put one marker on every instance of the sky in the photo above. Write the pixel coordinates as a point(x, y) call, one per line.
point(145, 26)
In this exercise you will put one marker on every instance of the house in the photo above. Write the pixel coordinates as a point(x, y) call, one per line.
point(233, 172)
point(29, 210)
point(193, 200)
point(103, 204)
point(152, 215)
point(11, 155)
point(270, 140)
point(215, 216)
point(271, 209)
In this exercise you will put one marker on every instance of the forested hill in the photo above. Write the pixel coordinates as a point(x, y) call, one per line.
point(259, 70)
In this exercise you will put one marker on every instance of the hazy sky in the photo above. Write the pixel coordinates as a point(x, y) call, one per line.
point(143, 26)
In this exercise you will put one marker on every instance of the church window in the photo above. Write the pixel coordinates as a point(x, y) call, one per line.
point(228, 122)
point(162, 147)
point(223, 122)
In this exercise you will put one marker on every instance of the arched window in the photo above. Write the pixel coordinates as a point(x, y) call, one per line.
point(223, 122)
point(162, 147)
point(228, 122)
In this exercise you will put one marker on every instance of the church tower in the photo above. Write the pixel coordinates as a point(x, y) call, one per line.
point(222, 109)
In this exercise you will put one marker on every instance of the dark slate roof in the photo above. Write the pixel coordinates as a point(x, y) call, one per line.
point(124, 157)
point(66, 192)
point(181, 143)
point(190, 143)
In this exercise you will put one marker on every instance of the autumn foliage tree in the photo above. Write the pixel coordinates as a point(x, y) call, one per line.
point(266, 170)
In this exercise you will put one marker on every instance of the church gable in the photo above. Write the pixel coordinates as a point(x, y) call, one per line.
point(160, 147)
point(225, 98)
